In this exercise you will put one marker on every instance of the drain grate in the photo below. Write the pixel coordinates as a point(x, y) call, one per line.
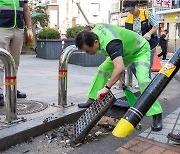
point(90, 117)
point(26, 107)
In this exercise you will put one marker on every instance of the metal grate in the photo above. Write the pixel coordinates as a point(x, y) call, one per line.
point(90, 117)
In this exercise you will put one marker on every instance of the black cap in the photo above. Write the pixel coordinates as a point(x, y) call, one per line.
point(130, 3)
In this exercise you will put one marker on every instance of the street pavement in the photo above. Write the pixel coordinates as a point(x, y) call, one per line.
point(38, 78)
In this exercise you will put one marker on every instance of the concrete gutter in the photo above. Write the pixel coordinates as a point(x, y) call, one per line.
point(18, 133)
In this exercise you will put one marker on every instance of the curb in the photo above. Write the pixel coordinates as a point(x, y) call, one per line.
point(23, 131)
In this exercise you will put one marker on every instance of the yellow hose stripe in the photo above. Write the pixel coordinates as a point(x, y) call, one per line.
point(9, 83)
point(62, 75)
point(123, 129)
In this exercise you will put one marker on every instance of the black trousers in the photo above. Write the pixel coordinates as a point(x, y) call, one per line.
point(164, 52)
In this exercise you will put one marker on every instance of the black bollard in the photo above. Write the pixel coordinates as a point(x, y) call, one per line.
point(135, 113)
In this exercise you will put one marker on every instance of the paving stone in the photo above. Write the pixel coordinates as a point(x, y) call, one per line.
point(140, 147)
point(159, 138)
point(168, 126)
point(170, 152)
point(144, 134)
point(124, 151)
point(154, 149)
point(130, 144)
point(177, 127)
point(169, 120)
point(177, 111)
point(148, 130)
point(173, 116)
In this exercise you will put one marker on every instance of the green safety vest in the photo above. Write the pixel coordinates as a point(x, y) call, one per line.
point(131, 41)
point(11, 13)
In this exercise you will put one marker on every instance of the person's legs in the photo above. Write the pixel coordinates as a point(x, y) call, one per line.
point(164, 48)
point(142, 63)
point(99, 81)
point(15, 50)
point(132, 66)
point(5, 38)
point(16, 46)
point(161, 53)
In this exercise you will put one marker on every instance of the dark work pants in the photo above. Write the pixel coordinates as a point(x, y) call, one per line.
point(164, 52)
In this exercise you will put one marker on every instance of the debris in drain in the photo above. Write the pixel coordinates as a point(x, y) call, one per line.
point(53, 135)
point(98, 133)
point(49, 141)
point(61, 137)
point(25, 151)
point(45, 120)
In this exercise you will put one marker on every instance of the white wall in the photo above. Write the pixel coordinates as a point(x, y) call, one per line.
point(69, 10)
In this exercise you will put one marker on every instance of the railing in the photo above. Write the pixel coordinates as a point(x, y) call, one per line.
point(63, 70)
point(10, 85)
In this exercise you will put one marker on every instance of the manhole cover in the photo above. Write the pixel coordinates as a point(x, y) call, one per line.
point(26, 107)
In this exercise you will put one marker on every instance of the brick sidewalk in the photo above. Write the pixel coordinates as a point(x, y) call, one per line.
point(147, 146)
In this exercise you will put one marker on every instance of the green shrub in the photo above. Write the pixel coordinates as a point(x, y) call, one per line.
point(48, 33)
point(72, 32)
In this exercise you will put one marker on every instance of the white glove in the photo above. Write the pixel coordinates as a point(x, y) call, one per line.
point(90, 26)
point(102, 93)
point(147, 36)
point(29, 35)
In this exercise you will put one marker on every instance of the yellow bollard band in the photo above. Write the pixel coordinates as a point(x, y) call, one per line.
point(62, 75)
point(9, 83)
point(123, 129)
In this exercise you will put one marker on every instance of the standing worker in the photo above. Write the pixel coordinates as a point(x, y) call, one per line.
point(163, 43)
point(142, 22)
point(13, 13)
point(113, 42)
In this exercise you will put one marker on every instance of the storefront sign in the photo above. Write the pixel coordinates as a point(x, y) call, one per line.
point(163, 3)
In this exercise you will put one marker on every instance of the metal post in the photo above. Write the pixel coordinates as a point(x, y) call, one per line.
point(63, 68)
point(10, 85)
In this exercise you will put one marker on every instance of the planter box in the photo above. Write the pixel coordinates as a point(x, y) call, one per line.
point(49, 48)
point(84, 59)
point(68, 42)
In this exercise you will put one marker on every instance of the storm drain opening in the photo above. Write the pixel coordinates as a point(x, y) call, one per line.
point(26, 107)
point(90, 117)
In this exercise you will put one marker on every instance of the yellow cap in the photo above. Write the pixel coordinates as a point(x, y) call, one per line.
point(123, 128)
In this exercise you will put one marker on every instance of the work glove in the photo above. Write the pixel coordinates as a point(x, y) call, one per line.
point(90, 26)
point(147, 36)
point(29, 35)
point(102, 93)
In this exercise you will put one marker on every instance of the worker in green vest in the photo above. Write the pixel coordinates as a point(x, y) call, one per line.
point(121, 48)
point(13, 15)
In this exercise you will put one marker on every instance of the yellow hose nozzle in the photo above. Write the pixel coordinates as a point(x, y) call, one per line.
point(123, 129)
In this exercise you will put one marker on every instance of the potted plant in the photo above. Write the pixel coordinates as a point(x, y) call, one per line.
point(49, 45)
point(82, 59)
point(71, 34)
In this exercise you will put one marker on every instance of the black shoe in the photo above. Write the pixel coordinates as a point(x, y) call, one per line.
point(87, 104)
point(157, 122)
point(20, 94)
point(173, 137)
point(1, 100)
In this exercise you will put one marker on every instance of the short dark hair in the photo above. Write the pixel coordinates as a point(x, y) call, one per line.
point(85, 37)
point(130, 3)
